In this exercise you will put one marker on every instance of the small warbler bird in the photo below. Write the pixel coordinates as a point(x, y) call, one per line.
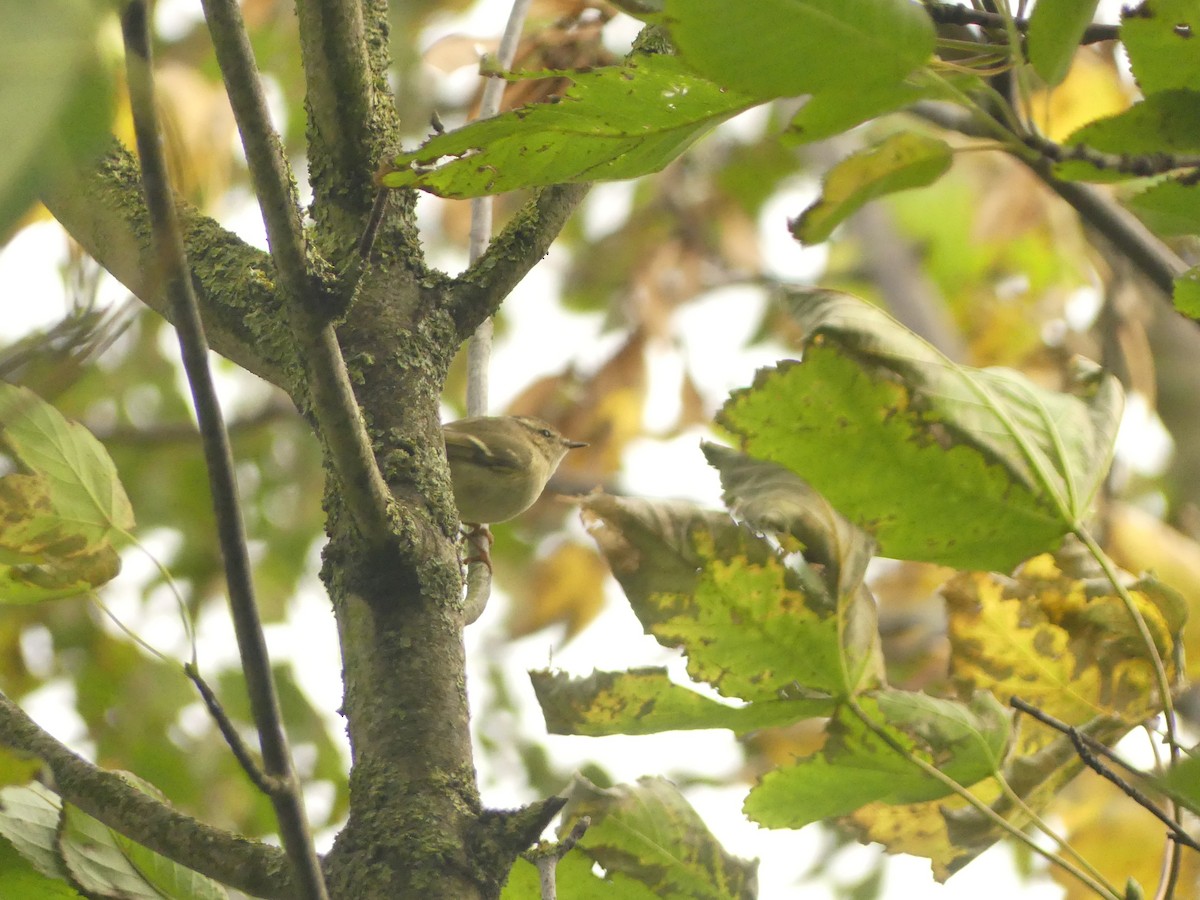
point(499, 465)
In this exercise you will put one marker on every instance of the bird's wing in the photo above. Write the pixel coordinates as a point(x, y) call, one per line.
point(467, 448)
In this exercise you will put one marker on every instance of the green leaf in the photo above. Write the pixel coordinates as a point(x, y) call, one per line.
point(646, 701)
point(614, 122)
point(657, 549)
point(1055, 29)
point(58, 839)
point(1168, 122)
point(832, 112)
point(1182, 782)
point(103, 861)
point(18, 878)
point(651, 834)
point(751, 626)
point(1169, 208)
point(1160, 37)
point(857, 765)
point(165, 876)
point(29, 821)
point(576, 881)
point(1187, 293)
point(772, 498)
point(783, 48)
point(975, 468)
point(61, 517)
point(96, 863)
point(899, 162)
point(56, 94)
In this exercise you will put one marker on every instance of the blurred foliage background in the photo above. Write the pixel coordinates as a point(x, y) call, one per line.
point(652, 306)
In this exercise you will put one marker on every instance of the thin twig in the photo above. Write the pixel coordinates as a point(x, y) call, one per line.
point(546, 858)
point(950, 14)
point(1086, 748)
point(173, 269)
point(1149, 255)
point(245, 757)
point(479, 350)
point(526, 238)
point(1141, 165)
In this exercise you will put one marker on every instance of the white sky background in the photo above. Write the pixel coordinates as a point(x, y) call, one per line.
point(33, 297)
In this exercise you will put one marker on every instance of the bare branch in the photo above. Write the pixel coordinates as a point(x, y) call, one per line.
point(1088, 750)
point(310, 307)
point(241, 752)
point(173, 269)
point(950, 14)
point(1142, 165)
point(251, 867)
point(479, 350)
point(546, 858)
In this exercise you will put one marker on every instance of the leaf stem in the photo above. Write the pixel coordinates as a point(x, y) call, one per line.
point(882, 733)
point(1160, 676)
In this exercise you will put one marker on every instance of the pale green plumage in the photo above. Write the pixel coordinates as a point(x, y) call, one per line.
point(499, 465)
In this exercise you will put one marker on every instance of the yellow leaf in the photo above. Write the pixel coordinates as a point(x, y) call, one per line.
point(567, 586)
point(1117, 836)
point(1092, 90)
point(1065, 645)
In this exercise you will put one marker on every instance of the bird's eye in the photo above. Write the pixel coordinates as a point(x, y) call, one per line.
point(546, 432)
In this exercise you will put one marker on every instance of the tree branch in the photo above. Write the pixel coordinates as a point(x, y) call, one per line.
point(254, 868)
point(172, 268)
point(1154, 259)
point(478, 292)
point(949, 14)
point(479, 348)
point(344, 99)
point(310, 307)
point(1088, 749)
point(1140, 164)
point(103, 209)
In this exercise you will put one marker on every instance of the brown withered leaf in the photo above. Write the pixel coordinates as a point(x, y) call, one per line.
point(567, 586)
point(571, 39)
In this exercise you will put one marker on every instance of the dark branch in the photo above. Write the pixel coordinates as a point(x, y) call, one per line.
point(241, 752)
point(254, 868)
point(1141, 165)
point(1154, 259)
point(949, 14)
point(173, 269)
point(1087, 749)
